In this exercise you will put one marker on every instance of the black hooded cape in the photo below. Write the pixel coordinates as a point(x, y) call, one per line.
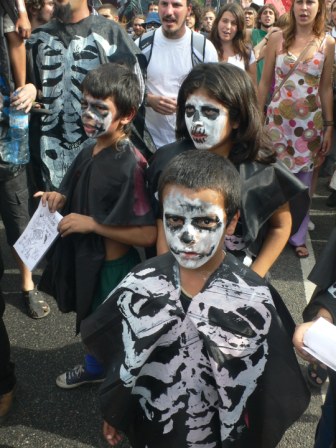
point(265, 188)
point(110, 188)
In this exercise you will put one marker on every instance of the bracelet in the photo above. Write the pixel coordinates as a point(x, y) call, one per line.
point(328, 123)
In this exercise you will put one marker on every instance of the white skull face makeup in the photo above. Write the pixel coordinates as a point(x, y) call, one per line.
point(206, 121)
point(96, 116)
point(194, 228)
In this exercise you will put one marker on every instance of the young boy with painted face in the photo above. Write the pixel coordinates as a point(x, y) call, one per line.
point(192, 339)
point(105, 206)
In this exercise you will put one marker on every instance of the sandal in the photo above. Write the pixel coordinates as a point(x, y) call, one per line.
point(301, 251)
point(36, 306)
point(316, 374)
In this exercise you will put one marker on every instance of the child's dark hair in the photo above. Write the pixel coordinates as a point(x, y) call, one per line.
point(201, 169)
point(233, 88)
point(116, 81)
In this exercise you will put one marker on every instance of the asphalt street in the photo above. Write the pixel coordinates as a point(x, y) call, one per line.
point(45, 416)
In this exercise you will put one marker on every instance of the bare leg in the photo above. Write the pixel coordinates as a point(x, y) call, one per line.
point(27, 283)
point(314, 181)
point(37, 307)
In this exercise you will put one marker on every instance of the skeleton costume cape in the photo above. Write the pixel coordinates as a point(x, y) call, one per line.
point(59, 56)
point(220, 374)
point(265, 188)
point(110, 188)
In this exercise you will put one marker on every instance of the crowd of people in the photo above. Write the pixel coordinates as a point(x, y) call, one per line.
point(182, 150)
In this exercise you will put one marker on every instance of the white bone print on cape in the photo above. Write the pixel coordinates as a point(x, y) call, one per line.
point(201, 378)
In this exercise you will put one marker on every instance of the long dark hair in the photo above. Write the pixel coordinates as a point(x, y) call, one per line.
point(239, 43)
point(233, 88)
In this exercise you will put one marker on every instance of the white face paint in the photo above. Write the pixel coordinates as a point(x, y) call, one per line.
point(206, 121)
point(96, 116)
point(193, 228)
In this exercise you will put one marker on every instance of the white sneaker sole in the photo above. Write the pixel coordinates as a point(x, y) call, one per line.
point(64, 385)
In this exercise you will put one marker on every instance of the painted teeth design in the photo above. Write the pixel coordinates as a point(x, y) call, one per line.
point(205, 121)
point(199, 140)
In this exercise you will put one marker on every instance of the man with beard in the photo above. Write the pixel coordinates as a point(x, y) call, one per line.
point(208, 20)
point(139, 26)
point(60, 54)
point(39, 12)
point(267, 16)
point(171, 52)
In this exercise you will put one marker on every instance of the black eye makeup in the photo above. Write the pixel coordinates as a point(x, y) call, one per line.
point(206, 222)
point(207, 111)
point(210, 112)
point(174, 221)
point(95, 107)
point(189, 110)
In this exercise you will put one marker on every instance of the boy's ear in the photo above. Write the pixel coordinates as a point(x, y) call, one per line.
point(230, 228)
point(128, 118)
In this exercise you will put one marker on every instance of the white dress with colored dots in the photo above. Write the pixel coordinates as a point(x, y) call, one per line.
point(294, 116)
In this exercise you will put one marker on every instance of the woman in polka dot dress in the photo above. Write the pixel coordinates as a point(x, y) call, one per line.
point(299, 116)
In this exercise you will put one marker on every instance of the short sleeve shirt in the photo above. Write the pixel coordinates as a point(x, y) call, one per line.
point(9, 26)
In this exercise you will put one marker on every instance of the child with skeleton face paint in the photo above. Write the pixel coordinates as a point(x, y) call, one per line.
point(96, 116)
point(196, 218)
point(186, 332)
point(105, 206)
point(218, 110)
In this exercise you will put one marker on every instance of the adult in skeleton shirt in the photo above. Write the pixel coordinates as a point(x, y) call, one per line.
point(217, 110)
point(60, 54)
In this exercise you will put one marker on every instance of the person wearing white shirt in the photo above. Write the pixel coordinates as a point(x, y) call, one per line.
point(172, 56)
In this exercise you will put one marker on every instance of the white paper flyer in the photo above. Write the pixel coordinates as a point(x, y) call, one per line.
point(320, 341)
point(38, 236)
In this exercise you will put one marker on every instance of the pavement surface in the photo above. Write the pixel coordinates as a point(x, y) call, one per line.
point(45, 416)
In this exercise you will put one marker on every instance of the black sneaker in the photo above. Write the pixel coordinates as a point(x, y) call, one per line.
point(78, 376)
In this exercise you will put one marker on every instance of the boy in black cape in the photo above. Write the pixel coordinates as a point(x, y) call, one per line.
point(105, 206)
point(195, 350)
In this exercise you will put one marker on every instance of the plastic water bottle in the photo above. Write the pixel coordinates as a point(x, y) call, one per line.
point(18, 144)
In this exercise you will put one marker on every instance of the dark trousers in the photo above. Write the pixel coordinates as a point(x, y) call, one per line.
point(325, 433)
point(7, 377)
